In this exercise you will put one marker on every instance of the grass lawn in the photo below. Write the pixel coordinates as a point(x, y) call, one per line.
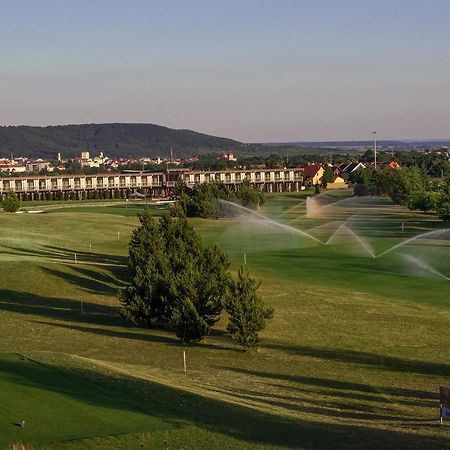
point(76, 405)
point(353, 357)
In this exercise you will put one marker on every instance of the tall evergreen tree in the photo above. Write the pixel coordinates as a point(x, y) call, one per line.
point(174, 279)
point(10, 203)
point(250, 197)
point(246, 310)
point(328, 176)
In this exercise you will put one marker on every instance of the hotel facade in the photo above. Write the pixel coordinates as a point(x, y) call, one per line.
point(152, 184)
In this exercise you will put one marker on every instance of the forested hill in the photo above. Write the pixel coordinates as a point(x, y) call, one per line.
point(115, 139)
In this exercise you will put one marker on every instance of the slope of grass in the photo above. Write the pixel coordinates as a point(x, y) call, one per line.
point(353, 357)
point(60, 404)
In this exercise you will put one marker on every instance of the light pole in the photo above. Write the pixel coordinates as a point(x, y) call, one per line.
point(374, 133)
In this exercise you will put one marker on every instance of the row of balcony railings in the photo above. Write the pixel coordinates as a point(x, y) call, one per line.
point(156, 181)
point(239, 179)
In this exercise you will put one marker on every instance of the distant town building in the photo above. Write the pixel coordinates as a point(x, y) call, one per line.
point(313, 173)
point(86, 161)
point(344, 170)
point(338, 183)
point(12, 165)
point(38, 165)
point(228, 156)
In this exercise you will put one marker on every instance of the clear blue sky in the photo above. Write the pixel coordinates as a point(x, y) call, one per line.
point(253, 70)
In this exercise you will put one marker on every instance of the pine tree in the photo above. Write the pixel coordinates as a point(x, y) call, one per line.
point(10, 203)
point(328, 176)
point(250, 197)
point(246, 310)
point(174, 280)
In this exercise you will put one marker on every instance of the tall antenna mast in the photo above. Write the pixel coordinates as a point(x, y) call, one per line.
point(375, 148)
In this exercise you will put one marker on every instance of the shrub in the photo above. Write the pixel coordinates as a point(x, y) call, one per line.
point(10, 203)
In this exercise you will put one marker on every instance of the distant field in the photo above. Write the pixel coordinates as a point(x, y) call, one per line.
point(352, 359)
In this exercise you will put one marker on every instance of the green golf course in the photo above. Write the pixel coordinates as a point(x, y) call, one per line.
point(353, 357)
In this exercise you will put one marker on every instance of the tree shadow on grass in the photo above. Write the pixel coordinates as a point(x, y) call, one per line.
point(140, 334)
point(114, 333)
point(344, 389)
point(371, 360)
point(88, 280)
point(59, 308)
point(64, 254)
point(94, 318)
point(184, 408)
point(318, 404)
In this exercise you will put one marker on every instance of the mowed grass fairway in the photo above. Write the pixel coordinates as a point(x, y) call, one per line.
point(352, 359)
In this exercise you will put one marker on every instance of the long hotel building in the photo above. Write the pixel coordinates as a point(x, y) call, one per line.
point(153, 184)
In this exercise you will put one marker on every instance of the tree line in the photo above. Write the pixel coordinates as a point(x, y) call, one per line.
point(203, 200)
point(411, 187)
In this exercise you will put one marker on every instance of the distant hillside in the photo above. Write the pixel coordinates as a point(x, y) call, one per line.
point(115, 139)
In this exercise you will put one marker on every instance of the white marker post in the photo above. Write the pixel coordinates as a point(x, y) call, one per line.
point(245, 258)
point(403, 226)
point(75, 258)
point(184, 361)
point(90, 247)
point(118, 235)
point(82, 309)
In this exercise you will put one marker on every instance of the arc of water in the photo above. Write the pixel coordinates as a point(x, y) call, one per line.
point(295, 220)
point(291, 209)
point(270, 221)
point(343, 224)
point(426, 266)
point(401, 244)
point(339, 202)
point(334, 234)
point(363, 244)
point(360, 241)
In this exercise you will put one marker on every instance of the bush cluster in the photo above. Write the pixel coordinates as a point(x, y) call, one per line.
point(202, 199)
point(176, 281)
point(10, 203)
point(410, 187)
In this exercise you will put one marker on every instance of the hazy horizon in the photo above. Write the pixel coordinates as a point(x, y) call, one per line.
point(254, 70)
point(295, 141)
